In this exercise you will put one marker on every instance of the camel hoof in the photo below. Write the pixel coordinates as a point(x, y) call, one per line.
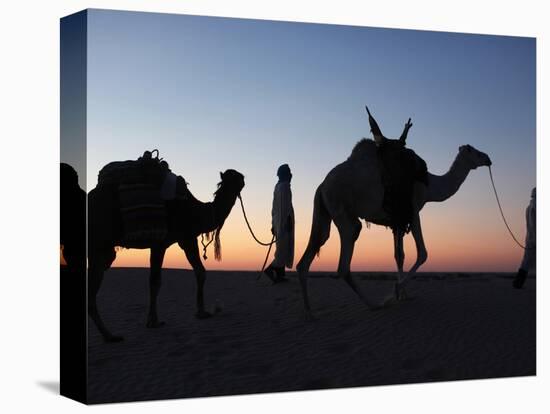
point(155, 324)
point(280, 280)
point(377, 307)
point(203, 315)
point(399, 292)
point(310, 317)
point(390, 301)
point(113, 338)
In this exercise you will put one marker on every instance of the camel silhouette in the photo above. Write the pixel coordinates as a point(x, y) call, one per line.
point(187, 218)
point(353, 190)
point(72, 220)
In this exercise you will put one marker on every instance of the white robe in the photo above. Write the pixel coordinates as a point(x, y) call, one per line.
point(530, 255)
point(282, 221)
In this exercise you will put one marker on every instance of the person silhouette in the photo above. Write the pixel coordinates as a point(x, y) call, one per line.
point(529, 259)
point(282, 226)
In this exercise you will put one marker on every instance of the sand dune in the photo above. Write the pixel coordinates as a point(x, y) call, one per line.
point(459, 326)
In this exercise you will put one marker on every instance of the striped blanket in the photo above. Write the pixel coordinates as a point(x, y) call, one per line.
point(143, 212)
point(141, 205)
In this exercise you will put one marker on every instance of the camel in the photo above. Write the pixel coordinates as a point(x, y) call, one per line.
point(72, 220)
point(353, 190)
point(187, 218)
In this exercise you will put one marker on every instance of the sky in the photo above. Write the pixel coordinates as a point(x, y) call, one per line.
point(217, 93)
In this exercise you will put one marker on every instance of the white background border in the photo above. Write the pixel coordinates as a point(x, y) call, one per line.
point(29, 133)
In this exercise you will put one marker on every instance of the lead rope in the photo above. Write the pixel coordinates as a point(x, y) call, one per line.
point(266, 258)
point(250, 228)
point(502, 213)
point(270, 244)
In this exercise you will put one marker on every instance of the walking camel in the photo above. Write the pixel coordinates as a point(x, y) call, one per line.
point(353, 190)
point(187, 219)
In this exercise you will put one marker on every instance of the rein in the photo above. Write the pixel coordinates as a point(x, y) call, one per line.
point(250, 228)
point(270, 244)
point(502, 213)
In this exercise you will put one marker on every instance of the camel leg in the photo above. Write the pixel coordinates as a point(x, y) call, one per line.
point(399, 255)
point(318, 238)
point(421, 252)
point(155, 282)
point(191, 249)
point(422, 255)
point(95, 278)
point(349, 230)
point(320, 232)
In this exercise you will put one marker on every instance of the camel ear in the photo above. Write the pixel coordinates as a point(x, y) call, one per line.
point(221, 175)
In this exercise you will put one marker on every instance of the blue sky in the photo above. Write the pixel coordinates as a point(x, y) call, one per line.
point(217, 93)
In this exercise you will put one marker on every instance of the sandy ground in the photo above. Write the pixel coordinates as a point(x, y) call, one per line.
point(458, 326)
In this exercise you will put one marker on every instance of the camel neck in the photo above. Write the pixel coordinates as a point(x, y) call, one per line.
point(442, 187)
point(222, 204)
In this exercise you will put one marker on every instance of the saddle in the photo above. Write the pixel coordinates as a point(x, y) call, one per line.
point(401, 167)
point(142, 187)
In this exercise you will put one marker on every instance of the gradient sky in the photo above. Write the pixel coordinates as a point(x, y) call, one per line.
point(217, 93)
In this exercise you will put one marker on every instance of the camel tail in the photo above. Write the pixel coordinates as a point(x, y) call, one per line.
point(320, 231)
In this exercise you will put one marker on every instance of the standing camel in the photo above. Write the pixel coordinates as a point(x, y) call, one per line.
point(187, 218)
point(353, 190)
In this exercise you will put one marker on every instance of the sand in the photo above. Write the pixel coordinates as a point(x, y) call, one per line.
point(458, 326)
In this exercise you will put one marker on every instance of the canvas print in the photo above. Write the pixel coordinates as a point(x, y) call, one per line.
point(255, 206)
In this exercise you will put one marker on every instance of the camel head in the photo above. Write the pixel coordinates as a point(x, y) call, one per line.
point(474, 157)
point(231, 180)
point(69, 177)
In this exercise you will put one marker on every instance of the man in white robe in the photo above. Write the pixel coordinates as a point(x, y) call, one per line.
point(530, 255)
point(282, 222)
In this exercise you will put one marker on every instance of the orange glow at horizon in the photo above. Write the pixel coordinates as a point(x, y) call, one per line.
point(454, 245)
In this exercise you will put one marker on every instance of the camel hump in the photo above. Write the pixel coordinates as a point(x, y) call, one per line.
point(146, 169)
point(114, 172)
point(68, 176)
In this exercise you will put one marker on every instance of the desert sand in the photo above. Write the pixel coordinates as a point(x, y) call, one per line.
point(458, 326)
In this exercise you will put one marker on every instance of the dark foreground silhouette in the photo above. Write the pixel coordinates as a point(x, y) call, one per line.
point(72, 220)
point(186, 219)
point(73, 336)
